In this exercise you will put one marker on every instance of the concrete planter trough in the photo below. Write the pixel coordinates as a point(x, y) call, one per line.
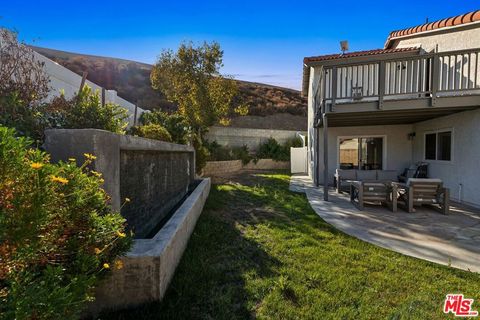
point(151, 263)
point(166, 201)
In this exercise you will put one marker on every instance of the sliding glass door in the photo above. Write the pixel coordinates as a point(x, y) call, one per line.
point(363, 153)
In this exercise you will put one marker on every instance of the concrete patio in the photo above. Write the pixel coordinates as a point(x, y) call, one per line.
point(452, 240)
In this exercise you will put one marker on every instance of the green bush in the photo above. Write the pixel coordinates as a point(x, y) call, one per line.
point(86, 111)
point(218, 152)
point(201, 153)
point(175, 123)
point(242, 153)
point(271, 149)
point(58, 235)
point(152, 131)
point(222, 153)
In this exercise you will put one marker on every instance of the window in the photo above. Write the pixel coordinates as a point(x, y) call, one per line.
point(361, 153)
point(430, 146)
point(438, 146)
point(444, 146)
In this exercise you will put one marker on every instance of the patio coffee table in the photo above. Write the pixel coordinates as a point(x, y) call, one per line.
point(373, 191)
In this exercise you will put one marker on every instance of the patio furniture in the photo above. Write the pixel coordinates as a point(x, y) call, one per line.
point(423, 191)
point(373, 192)
point(417, 170)
point(344, 178)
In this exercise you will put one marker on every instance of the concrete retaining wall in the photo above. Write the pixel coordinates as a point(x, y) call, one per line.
point(222, 168)
point(150, 265)
point(237, 137)
point(155, 175)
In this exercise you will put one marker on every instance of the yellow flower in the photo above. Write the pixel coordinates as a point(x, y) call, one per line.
point(118, 264)
point(36, 165)
point(59, 179)
point(96, 174)
point(89, 156)
point(121, 234)
point(98, 251)
point(127, 199)
point(71, 159)
point(106, 266)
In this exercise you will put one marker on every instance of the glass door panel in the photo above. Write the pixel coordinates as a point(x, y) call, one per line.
point(371, 153)
point(348, 153)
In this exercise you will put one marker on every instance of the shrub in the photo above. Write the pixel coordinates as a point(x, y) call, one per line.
point(20, 72)
point(175, 123)
point(86, 111)
point(58, 235)
point(293, 143)
point(218, 152)
point(271, 149)
point(23, 86)
point(222, 153)
point(242, 153)
point(152, 131)
point(201, 153)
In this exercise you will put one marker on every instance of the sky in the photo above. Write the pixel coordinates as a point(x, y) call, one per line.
point(263, 41)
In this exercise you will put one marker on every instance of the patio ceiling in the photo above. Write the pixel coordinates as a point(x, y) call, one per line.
point(388, 117)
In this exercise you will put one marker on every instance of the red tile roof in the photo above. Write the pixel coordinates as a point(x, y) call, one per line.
point(462, 19)
point(347, 55)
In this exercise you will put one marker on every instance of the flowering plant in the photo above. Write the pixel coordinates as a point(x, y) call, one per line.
point(58, 234)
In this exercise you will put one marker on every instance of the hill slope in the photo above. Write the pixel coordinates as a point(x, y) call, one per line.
point(131, 80)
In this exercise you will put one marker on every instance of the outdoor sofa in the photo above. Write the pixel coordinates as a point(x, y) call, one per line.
point(423, 191)
point(345, 177)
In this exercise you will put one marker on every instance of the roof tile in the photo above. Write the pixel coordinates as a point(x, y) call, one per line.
point(447, 22)
point(306, 60)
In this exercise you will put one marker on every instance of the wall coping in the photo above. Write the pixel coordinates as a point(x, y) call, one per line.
point(128, 142)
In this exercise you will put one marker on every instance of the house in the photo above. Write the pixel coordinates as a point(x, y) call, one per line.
point(417, 99)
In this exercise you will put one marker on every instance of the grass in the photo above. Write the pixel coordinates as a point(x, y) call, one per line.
point(260, 251)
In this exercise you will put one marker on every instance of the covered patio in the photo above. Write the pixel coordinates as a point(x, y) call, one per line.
point(452, 240)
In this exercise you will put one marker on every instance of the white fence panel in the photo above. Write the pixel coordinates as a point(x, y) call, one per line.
point(298, 160)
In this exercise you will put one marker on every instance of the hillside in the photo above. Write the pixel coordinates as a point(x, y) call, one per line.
point(131, 80)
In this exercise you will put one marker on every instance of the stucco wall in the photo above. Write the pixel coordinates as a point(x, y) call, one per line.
point(397, 146)
point(464, 168)
point(448, 39)
point(62, 80)
point(237, 137)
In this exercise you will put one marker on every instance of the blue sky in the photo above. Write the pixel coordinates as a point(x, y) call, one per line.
point(263, 41)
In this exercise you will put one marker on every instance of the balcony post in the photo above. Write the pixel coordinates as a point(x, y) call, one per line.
point(435, 76)
point(325, 157)
point(334, 88)
point(381, 84)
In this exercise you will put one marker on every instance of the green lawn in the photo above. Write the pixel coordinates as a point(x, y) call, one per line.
point(260, 251)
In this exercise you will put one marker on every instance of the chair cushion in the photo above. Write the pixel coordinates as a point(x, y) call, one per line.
point(387, 175)
point(420, 180)
point(363, 175)
point(349, 174)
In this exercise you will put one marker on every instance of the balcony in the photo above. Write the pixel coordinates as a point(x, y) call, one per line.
point(404, 89)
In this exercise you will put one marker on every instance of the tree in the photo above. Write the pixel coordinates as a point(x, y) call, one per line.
point(191, 78)
point(23, 87)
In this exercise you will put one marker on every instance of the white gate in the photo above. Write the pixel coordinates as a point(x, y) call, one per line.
point(298, 160)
